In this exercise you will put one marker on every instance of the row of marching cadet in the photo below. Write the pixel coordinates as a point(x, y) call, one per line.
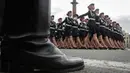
point(97, 31)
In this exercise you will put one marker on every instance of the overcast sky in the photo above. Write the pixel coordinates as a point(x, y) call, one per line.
point(118, 10)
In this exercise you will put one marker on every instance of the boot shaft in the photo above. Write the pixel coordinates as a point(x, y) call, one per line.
point(23, 17)
point(2, 4)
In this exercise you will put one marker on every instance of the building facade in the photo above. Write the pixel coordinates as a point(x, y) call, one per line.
point(127, 40)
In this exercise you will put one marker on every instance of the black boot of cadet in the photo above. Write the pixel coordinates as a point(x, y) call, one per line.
point(26, 45)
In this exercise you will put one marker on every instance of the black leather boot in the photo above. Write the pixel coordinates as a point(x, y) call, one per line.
point(26, 46)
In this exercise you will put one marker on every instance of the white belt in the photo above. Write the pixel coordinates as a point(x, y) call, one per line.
point(60, 29)
point(108, 28)
point(91, 19)
point(68, 25)
point(84, 29)
point(105, 27)
point(74, 27)
point(116, 32)
point(52, 28)
point(97, 23)
point(102, 26)
point(115, 28)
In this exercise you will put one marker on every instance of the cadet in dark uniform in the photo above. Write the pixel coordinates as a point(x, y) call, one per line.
point(75, 32)
point(97, 20)
point(83, 32)
point(68, 31)
point(104, 29)
point(119, 38)
point(60, 33)
point(107, 32)
point(111, 33)
point(122, 38)
point(75, 27)
point(115, 35)
point(92, 26)
point(102, 24)
point(53, 30)
point(87, 38)
point(99, 35)
point(121, 41)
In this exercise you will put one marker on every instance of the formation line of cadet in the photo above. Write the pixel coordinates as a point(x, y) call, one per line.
point(97, 31)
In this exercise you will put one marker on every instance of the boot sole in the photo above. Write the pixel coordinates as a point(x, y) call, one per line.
point(26, 69)
point(62, 70)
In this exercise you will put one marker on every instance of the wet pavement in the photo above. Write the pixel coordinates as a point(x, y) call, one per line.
point(89, 69)
point(102, 61)
point(109, 55)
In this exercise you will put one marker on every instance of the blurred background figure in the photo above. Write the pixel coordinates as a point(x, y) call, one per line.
point(53, 27)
